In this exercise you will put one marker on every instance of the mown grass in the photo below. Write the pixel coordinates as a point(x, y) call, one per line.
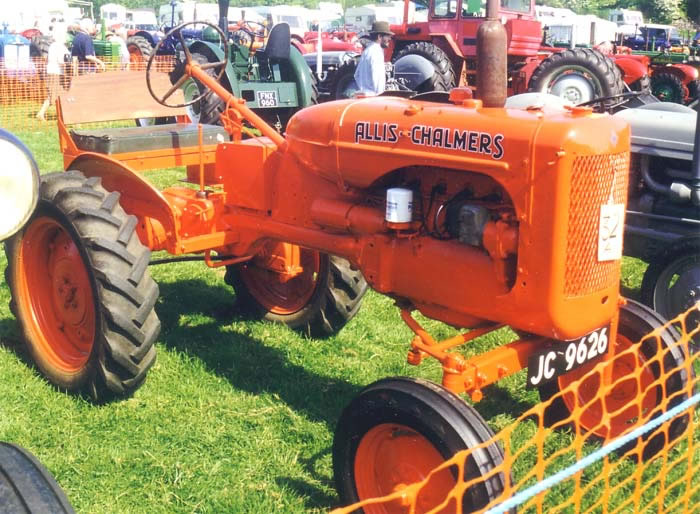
point(236, 415)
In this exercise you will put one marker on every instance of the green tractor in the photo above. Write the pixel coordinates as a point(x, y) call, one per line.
point(274, 80)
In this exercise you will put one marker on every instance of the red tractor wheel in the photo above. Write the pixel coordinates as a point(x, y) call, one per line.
point(636, 395)
point(81, 290)
point(396, 431)
point(578, 75)
point(318, 298)
point(140, 51)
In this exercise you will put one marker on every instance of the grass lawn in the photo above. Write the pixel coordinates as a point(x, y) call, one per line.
point(236, 415)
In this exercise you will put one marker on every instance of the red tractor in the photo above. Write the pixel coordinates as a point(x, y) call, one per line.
point(473, 214)
point(448, 41)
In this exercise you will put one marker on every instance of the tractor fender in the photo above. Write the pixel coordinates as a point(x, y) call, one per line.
point(214, 53)
point(632, 69)
point(685, 72)
point(137, 195)
point(413, 70)
point(302, 75)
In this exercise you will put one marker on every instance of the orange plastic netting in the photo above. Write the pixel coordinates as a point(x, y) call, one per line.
point(24, 88)
point(573, 433)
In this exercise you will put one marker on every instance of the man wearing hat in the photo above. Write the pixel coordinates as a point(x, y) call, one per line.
point(83, 51)
point(370, 75)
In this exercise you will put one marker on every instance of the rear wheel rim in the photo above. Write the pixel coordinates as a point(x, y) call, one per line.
point(135, 55)
point(667, 92)
point(57, 295)
point(575, 85)
point(621, 403)
point(391, 456)
point(275, 295)
point(190, 90)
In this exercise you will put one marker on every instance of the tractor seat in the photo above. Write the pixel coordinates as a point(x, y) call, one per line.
point(278, 43)
point(138, 139)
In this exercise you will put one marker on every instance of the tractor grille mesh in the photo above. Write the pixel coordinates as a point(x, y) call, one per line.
point(596, 180)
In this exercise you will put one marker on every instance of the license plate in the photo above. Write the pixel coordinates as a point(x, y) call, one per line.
point(267, 98)
point(546, 365)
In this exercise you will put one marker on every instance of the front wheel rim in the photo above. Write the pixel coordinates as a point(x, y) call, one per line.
point(62, 316)
point(392, 456)
point(678, 288)
point(621, 403)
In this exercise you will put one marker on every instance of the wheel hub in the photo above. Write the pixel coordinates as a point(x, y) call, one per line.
point(69, 297)
point(573, 88)
point(685, 292)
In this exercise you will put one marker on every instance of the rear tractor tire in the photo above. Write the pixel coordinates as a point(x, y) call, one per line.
point(210, 107)
point(319, 301)
point(39, 46)
point(578, 75)
point(140, 51)
point(444, 77)
point(344, 86)
point(81, 289)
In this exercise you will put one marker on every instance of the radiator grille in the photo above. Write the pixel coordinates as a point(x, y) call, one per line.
point(596, 180)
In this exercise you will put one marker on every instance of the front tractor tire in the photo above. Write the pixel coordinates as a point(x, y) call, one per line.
point(644, 383)
point(319, 301)
point(81, 289)
point(578, 75)
point(397, 431)
point(444, 77)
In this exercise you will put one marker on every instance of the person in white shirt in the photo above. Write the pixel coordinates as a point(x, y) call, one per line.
point(119, 37)
point(55, 65)
point(370, 75)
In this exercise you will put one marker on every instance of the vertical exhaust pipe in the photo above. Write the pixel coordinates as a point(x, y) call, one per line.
point(223, 17)
point(491, 48)
point(695, 171)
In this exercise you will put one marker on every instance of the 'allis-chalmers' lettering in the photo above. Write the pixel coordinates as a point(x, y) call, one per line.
point(456, 139)
point(436, 137)
point(374, 131)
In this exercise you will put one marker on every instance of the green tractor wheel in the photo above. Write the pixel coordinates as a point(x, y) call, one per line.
point(668, 88)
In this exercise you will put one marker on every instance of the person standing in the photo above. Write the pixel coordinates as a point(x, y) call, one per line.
point(55, 65)
point(83, 51)
point(119, 37)
point(370, 75)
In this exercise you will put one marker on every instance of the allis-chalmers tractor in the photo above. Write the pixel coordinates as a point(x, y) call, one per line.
point(468, 212)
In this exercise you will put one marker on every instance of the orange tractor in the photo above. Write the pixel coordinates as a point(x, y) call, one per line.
point(473, 214)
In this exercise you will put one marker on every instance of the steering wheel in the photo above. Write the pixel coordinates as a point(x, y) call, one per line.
point(246, 34)
point(622, 98)
point(261, 32)
point(177, 31)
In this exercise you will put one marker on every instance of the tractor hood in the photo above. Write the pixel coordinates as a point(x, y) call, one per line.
point(663, 129)
point(371, 137)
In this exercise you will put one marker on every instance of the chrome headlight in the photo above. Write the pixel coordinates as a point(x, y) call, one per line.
point(19, 184)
